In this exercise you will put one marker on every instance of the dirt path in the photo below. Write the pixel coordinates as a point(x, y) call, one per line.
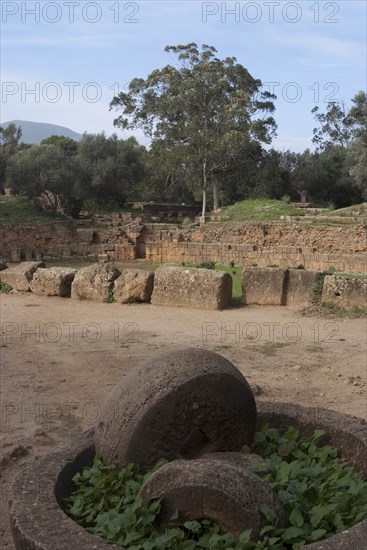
point(60, 359)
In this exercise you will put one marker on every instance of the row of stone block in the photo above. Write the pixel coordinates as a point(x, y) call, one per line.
point(245, 255)
point(185, 286)
point(94, 282)
point(298, 287)
point(198, 252)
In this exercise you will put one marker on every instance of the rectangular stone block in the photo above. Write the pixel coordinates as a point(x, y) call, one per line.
point(345, 292)
point(301, 287)
point(55, 281)
point(20, 276)
point(192, 288)
point(264, 286)
point(85, 235)
point(134, 285)
point(94, 282)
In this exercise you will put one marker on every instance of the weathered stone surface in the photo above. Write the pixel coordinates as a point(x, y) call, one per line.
point(20, 276)
point(316, 247)
point(3, 266)
point(216, 489)
point(85, 235)
point(191, 287)
point(39, 522)
point(238, 459)
point(264, 286)
point(346, 292)
point(55, 281)
point(94, 282)
point(301, 287)
point(134, 285)
point(177, 404)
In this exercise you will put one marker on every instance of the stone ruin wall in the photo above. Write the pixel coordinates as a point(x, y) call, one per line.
point(59, 240)
point(264, 244)
point(245, 244)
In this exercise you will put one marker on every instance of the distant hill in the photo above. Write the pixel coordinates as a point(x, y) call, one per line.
point(35, 132)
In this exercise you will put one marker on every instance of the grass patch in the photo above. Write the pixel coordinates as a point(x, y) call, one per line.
point(321, 496)
point(236, 274)
point(270, 348)
point(332, 306)
point(332, 310)
point(350, 211)
point(19, 210)
point(350, 275)
point(259, 210)
point(5, 288)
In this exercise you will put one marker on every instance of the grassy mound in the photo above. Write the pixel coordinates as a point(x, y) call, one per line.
point(19, 209)
point(259, 210)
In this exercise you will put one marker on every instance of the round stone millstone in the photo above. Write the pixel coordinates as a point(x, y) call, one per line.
point(216, 489)
point(177, 404)
point(35, 506)
point(238, 459)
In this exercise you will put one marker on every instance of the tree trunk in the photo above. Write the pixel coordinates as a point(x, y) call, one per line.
point(52, 200)
point(216, 200)
point(203, 211)
point(303, 195)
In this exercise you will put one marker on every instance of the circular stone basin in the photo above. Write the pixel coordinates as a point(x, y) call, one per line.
point(38, 521)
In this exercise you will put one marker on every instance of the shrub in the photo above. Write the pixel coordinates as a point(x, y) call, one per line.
point(110, 298)
point(5, 288)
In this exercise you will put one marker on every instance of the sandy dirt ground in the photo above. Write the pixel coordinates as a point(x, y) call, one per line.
point(60, 359)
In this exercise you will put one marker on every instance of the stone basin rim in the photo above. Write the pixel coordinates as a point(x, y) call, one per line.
point(39, 523)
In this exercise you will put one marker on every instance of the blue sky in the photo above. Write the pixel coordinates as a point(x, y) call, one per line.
point(75, 54)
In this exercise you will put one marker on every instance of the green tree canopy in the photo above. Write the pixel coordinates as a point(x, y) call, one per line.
point(108, 169)
point(70, 146)
point(345, 130)
point(9, 144)
point(41, 169)
point(205, 111)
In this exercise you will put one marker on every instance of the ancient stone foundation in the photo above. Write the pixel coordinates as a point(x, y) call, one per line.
point(246, 244)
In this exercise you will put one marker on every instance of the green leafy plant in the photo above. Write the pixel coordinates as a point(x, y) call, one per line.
point(5, 288)
point(110, 298)
point(330, 270)
point(320, 493)
point(317, 290)
point(332, 306)
point(321, 496)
